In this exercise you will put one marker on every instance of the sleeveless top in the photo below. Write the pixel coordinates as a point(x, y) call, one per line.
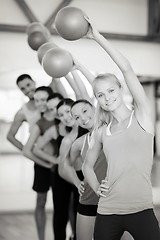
point(89, 197)
point(43, 125)
point(81, 131)
point(130, 156)
point(32, 116)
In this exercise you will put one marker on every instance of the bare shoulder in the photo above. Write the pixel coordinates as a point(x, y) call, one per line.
point(97, 134)
point(20, 115)
point(78, 143)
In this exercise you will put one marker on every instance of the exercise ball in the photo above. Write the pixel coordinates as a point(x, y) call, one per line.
point(71, 24)
point(36, 39)
point(44, 48)
point(57, 62)
point(37, 27)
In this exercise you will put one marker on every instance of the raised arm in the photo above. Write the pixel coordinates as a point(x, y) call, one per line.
point(82, 88)
point(38, 150)
point(16, 124)
point(88, 75)
point(57, 86)
point(73, 85)
point(141, 102)
point(28, 148)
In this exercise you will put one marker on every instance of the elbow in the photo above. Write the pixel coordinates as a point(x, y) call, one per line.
point(9, 137)
point(35, 151)
point(26, 152)
point(127, 67)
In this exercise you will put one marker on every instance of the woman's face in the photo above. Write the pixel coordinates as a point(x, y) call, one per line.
point(64, 114)
point(108, 94)
point(40, 99)
point(52, 106)
point(83, 113)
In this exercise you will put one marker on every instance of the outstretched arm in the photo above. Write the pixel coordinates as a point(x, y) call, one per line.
point(57, 86)
point(141, 102)
point(88, 75)
point(73, 85)
point(82, 88)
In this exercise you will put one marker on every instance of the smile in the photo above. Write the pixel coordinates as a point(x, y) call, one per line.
point(109, 103)
point(86, 122)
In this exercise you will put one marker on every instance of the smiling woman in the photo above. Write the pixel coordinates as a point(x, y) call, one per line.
point(127, 142)
point(64, 112)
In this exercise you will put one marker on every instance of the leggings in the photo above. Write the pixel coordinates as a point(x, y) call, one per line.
point(141, 225)
point(62, 191)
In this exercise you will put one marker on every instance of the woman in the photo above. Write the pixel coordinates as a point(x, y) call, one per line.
point(43, 174)
point(71, 132)
point(84, 112)
point(127, 141)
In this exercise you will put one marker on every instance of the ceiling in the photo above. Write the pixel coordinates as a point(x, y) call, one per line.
point(24, 12)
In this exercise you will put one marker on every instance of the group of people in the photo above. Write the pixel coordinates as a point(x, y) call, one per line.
point(97, 158)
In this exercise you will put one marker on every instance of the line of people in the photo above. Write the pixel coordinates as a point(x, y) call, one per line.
point(41, 114)
point(97, 159)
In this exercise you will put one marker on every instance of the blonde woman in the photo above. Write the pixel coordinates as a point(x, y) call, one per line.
point(126, 194)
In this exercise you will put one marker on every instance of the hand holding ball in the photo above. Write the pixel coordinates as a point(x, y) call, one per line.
point(70, 23)
point(57, 62)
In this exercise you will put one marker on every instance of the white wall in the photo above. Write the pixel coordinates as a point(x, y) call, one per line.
point(16, 57)
point(118, 16)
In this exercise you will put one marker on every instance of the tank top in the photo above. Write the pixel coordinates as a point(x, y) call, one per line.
point(89, 197)
point(130, 156)
point(43, 125)
point(32, 116)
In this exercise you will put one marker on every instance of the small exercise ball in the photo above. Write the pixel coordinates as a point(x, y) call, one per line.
point(44, 48)
point(36, 39)
point(57, 62)
point(71, 24)
point(37, 27)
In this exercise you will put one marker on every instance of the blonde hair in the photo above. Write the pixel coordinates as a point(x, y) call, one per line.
point(105, 76)
point(101, 117)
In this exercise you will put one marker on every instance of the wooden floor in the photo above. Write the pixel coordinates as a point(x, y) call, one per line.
point(20, 225)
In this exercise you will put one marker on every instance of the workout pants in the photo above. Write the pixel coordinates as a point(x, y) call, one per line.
point(62, 191)
point(141, 225)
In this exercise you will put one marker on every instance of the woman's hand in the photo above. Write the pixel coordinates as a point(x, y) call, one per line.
point(92, 31)
point(76, 64)
point(103, 188)
point(55, 160)
point(81, 188)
